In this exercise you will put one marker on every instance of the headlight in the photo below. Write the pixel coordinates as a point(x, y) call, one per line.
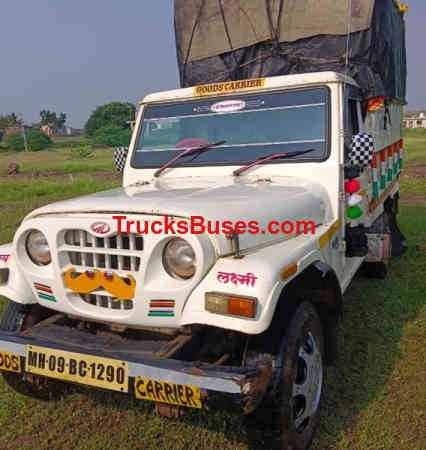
point(38, 248)
point(179, 259)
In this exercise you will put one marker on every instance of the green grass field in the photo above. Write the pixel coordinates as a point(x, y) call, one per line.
point(374, 397)
point(416, 145)
point(58, 159)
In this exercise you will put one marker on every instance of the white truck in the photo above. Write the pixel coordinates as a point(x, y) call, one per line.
point(101, 297)
point(214, 277)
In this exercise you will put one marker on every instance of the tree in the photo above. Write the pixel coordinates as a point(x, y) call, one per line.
point(35, 138)
point(112, 136)
point(111, 114)
point(9, 120)
point(14, 142)
point(38, 141)
point(50, 118)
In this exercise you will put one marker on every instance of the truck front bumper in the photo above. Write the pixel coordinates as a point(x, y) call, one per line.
point(235, 389)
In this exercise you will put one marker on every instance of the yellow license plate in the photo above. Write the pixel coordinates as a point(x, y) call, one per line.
point(166, 392)
point(10, 362)
point(78, 368)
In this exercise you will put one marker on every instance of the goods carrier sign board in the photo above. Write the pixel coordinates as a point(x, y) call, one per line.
point(228, 87)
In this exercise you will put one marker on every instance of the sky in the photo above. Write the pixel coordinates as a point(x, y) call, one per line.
point(72, 56)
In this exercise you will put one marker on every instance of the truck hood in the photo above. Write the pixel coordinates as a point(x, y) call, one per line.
point(215, 199)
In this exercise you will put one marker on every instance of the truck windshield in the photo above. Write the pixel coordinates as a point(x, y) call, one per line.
point(253, 126)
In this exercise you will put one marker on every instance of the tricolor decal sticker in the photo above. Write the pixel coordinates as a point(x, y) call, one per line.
point(374, 164)
point(383, 170)
point(390, 164)
point(161, 308)
point(44, 292)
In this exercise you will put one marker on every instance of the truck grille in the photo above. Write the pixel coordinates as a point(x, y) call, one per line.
point(113, 252)
point(106, 301)
point(85, 251)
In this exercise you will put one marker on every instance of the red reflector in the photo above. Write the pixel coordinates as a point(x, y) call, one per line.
point(375, 104)
point(352, 186)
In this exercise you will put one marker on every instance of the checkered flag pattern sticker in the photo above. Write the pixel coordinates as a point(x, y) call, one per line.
point(362, 150)
point(120, 156)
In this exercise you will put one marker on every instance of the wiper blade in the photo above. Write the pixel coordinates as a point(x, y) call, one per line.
point(265, 159)
point(187, 152)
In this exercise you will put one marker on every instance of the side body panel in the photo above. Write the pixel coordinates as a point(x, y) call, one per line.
point(380, 179)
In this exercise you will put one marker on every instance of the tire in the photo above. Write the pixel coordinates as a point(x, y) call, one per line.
point(14, 320)
point(298, 397)
point(14, 316)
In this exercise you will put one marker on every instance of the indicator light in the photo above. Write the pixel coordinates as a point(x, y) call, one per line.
point(288, 271)
point(233, 305)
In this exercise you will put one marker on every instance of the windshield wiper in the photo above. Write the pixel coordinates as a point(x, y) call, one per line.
point(187, 152)
point(264, 159)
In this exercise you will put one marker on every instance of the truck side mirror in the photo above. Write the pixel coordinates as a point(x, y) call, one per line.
point(362, 150)
point(120, 156)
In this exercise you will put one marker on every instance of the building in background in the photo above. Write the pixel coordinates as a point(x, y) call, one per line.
point(48, 130)
point(414, 120)
point(51, 130)
point(13, 129)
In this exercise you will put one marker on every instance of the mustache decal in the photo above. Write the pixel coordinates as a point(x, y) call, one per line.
point(88, 282)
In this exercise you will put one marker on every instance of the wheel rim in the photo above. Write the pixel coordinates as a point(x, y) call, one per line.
point(307, 386)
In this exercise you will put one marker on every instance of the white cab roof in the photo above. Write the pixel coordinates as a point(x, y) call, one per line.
point(285, 81)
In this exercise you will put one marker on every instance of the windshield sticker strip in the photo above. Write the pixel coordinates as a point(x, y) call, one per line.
point(247, 111)
point(229, 86)
point(228, 106)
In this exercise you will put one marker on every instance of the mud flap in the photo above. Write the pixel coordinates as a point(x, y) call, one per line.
point(356, 241)
point(397, 238)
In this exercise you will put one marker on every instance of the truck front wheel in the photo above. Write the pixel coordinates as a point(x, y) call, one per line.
point(16, 318)
point(298, 396)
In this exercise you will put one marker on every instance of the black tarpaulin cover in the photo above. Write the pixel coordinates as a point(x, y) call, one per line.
point(223, 40)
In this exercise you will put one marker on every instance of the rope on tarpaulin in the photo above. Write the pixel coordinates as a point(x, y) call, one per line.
point(269, 53)
point(402, 7)
point(188, 54)
point(275, 34)
point(275, 49)
point(348, 41)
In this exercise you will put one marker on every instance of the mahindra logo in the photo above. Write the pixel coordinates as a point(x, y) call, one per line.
point(100, 228)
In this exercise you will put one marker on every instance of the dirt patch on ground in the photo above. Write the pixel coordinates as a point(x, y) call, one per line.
point(116, 176)
point(34, 175)
point(413, 199)
point(60, 176)
point(414, 171)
